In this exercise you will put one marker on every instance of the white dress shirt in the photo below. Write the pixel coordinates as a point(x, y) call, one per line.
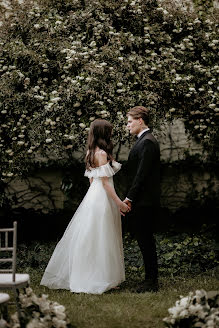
point(143, 131)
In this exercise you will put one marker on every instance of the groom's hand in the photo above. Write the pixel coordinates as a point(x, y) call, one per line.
point(126, 201)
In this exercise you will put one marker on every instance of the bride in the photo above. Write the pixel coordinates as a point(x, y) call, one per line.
point(89, 257)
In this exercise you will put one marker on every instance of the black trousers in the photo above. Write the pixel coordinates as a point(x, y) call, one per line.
point(140, 222)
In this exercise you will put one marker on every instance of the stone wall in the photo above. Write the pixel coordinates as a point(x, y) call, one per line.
point(183, 185)
point(42, 191)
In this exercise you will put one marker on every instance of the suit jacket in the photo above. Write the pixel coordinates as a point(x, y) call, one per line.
point(143, 172)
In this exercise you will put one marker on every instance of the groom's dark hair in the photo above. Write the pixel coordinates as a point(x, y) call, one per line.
point(139, 112)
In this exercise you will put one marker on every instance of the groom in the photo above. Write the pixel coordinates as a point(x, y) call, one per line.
point(143, 194)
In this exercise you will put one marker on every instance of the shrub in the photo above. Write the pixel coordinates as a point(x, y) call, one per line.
point(186, 254)
point(179, 254)
point(65, 63)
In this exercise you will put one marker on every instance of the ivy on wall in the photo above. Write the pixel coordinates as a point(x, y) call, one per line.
point(65, 63)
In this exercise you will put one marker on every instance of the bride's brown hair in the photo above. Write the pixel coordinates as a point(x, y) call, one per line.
point(99, 136)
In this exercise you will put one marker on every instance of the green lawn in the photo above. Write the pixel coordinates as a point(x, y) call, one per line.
point(124, 308)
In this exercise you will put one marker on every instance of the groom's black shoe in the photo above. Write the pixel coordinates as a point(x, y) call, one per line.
point(148, 286)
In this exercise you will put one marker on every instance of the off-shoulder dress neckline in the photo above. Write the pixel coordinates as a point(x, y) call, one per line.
point(97, 167)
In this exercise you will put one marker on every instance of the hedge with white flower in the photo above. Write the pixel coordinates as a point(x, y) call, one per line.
point(65, 63)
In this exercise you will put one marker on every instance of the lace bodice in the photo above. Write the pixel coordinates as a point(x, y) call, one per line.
point(105, 170)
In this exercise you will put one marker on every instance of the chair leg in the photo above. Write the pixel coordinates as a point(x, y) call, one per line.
point(4, 312)
point(18, 306)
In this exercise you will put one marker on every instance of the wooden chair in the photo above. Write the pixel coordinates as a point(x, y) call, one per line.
point(4, 298)
point(9, 279)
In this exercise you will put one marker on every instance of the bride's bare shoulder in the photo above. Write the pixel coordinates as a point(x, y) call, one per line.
point(101, 157)
point(100, 152)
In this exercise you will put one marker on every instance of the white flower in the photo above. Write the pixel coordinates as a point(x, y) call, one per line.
point(184, 313)
point(54, 92)
point(82, 125)
point(212, 105)
point(103, 64)
point(59, 309)
point(38, 97)
point(93, 44)
point(49, 140)
point(59, 323)
point(55, 99)
point(77, 104)
point(34, 323)
point(36, 26)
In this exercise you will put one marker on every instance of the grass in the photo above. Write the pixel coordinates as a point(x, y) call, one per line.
point(124, 308)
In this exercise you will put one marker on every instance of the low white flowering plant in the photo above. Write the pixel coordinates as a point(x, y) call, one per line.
point(39, 312)
point(197, 309)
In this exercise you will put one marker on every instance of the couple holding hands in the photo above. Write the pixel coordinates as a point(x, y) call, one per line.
point(89, 257)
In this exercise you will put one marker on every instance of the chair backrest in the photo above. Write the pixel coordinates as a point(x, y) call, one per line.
point(8, 246)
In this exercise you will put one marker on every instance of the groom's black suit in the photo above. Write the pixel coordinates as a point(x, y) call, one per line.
point(143, 172)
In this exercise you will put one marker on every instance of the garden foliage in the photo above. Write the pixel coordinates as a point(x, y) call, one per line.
point(65, 63)
point(178, 255)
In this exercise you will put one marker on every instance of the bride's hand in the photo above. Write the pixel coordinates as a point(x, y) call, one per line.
point(123, 208)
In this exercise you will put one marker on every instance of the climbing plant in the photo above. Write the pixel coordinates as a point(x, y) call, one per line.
point(65, 63)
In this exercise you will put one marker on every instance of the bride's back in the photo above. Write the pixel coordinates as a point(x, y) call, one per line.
point(100, 158)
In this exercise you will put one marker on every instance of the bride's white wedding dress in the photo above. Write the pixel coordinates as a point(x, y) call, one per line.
point(89, 257)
